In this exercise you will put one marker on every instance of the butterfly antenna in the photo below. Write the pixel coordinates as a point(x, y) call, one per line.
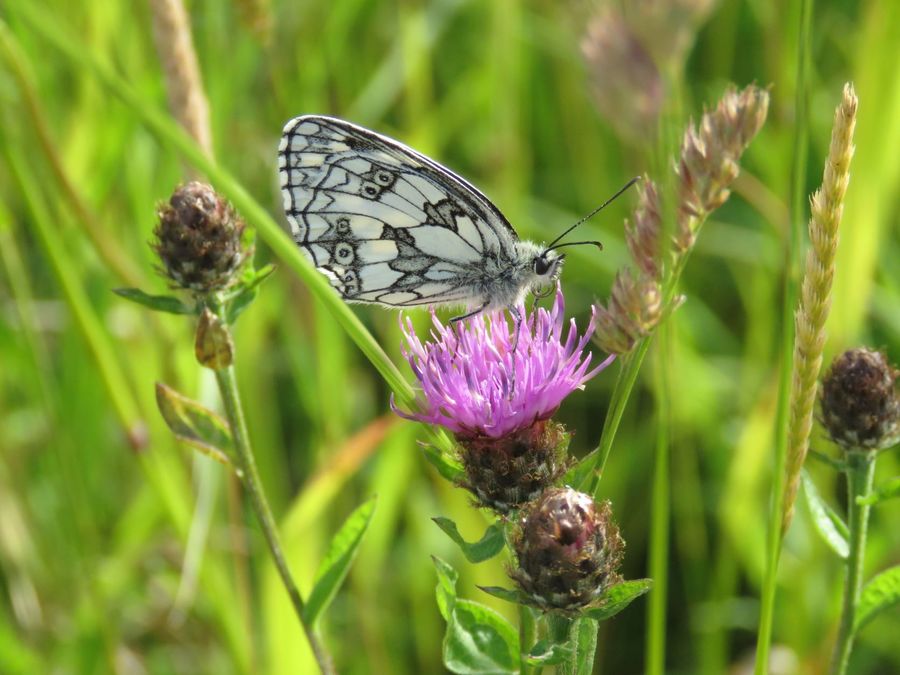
point(592, 214)
point(577, 243)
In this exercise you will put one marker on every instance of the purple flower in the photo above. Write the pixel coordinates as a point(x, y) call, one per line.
point(476, 384)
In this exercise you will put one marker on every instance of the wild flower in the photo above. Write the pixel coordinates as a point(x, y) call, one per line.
point(200, 239)
point(496, 388)
point(568, 550)
point(860, 404)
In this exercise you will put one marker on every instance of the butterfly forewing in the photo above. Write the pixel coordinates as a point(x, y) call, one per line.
point(384, 223)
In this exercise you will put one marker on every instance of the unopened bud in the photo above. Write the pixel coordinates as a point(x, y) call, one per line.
point(213, 345)
point(568, 550)
point(199, 239)
point(860, 406)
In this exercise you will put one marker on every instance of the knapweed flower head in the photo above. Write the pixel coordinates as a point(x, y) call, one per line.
point(200, 239)
point(477, 384)
point(568, 550)
point(860, 404)
point(496, 386)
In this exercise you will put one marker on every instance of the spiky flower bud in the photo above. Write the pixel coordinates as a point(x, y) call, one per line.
point(568, 550)
point(860, 405)
point(504, 473)
point(199, 239)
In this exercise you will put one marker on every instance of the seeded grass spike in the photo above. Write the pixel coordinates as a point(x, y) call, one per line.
point(827, 205)
point(704, 172)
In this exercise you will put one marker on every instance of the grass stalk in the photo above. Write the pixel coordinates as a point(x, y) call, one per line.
point(791, 282)
point(252, 211)
point(98, 342)
point(655, 642)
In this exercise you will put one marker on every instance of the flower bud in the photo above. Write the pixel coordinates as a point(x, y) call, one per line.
point(199, 239)
point(213, 345)
point(568, 550)
point(860, 406)
point(504, 473)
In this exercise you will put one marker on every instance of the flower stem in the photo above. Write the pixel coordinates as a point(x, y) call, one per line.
point(250, 479)
point(860, 475)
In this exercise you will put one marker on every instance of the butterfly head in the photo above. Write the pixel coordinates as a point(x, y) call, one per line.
point(546, 266)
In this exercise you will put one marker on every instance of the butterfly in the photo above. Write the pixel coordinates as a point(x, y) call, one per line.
point(389, 226)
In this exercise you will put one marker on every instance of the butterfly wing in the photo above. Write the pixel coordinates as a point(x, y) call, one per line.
point(383, 222)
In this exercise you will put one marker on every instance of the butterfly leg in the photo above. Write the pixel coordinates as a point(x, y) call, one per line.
point(457, 319)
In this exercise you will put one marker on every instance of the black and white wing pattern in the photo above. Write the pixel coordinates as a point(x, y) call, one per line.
point(386, 224)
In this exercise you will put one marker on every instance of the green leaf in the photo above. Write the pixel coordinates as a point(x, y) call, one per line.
point(484, 549)
point(547, 653)
point(578, 475)
point(882, 493)
point(446, 587)
point(881, 593)
point(246, 292)
point(504, 594)
point(835, 464)
point(584, 637)
point(448, 467)
point(828, 524)
point(160, 303)
point(618, 597)
point(479, 640)
point(194, 424)
point(334, 567)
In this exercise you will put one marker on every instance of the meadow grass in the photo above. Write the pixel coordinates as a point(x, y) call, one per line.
point(122, 551)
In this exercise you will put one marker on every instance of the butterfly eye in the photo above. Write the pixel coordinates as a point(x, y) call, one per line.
point(541, 266)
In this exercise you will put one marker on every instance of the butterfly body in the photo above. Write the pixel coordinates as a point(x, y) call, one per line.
point(389, 226)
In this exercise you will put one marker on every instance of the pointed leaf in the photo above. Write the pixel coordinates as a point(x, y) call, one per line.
point(828, 524)
point(618, 597)
point(484, 549)
point(479, 640)
point(334, 567)
point(504, 594)
point(445, 465)
point(882, 493)
point(881, 593)
point(445, 591)
point(547, 653)
point(160, 303)
point(194, 424)
point(584, 637)
point(578, 475)
point(247, 292)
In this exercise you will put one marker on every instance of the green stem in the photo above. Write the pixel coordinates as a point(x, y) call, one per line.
point(655, 648)
point(252, 483)
point(860, 476)
point(791, 283)
point(631, 366)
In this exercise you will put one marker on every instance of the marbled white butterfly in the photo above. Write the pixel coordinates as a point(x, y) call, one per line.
point(388, 225)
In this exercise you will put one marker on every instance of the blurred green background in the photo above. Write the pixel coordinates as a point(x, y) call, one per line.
point(125, 554)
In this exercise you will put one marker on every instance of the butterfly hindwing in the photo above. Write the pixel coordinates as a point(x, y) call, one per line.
point(384, 223)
